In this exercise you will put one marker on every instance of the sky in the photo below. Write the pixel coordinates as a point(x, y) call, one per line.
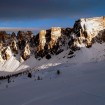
point(44, 14)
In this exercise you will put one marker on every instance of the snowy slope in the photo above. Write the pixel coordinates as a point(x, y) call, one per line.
point(93, 54)
point(81, 66)
point(78, 84)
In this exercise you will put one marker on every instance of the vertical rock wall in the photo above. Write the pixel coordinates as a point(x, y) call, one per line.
point(26, 52)
point(42, 39)
point(55, 34)
point(88, 28)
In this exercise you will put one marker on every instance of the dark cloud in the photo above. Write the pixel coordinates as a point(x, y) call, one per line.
point(38, 9)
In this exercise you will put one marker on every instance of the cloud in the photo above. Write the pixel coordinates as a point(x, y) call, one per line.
point(38, 9)
point(16, 29)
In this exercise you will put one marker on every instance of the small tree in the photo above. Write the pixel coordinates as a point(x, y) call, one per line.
point(48, 56)
point(58, 72)
point(39, 78)
point(8, 77)
point(29, 75)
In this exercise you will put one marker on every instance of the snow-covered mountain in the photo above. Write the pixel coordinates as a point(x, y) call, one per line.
point(80, 44)
point(56, 67)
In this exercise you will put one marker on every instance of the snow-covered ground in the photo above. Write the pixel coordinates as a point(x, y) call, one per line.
point(77, 84)
point(93, 54)
point(81, 80)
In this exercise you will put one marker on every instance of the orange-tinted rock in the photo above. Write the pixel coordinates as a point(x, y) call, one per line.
point(26, 52)
point(88, 28)
point(7, 53)
point(42, 39)
point(55, 34)
point(21, 59)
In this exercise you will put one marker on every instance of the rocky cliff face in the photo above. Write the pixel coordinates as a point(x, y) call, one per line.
point(42, 40)
point(88, 28)
point(52, 41)
point(26, 52)
point(55, 34)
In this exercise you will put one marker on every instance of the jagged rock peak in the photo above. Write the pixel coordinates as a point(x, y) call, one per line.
point(88, 28)
point(52, 41)
point(8, 53)
point(26, 52)
point(42, 39)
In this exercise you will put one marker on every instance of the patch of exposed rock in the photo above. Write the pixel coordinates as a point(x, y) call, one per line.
point(52, 41)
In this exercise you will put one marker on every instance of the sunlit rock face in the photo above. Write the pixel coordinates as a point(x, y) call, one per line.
point(7, 53)
point(26, 52)
point(88, 28)
point(14, 47)
point(1, 59)
point(42, 40)
point(93, 25)
point(21, 59)
point(55, 34)
point(52, 41)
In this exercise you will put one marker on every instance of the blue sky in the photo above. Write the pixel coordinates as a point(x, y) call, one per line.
point(40, 23)
point(44, 14)
point(36, 24)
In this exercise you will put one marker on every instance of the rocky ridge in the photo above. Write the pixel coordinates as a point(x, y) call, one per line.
point(46, 43)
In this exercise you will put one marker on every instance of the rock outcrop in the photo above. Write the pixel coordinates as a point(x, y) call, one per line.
point(55, 34)
point(88, 28)
point(13, 46)
point(1, 58)
point(1, 46)
point(7, 53)
point(26, 52)
point(21, 59)
point(42, 40)
point(52, 41)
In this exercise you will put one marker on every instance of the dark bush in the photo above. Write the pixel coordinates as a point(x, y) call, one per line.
point(39, 78)
point(58, 72)
point(29, 75)
point(48, 56)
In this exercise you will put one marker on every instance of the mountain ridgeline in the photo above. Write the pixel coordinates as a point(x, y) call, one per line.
point(46, 43)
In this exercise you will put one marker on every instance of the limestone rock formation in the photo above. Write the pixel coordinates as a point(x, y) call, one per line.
point(7, 53)
point(55, 34)
point(84, 33)
point(13, 35)
point(21, 59)
point(14, 47)
point(42, 40)
point(29, 35)
point(1, 58)
point(21, 35)
point(88, 28)
point(26, 52)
